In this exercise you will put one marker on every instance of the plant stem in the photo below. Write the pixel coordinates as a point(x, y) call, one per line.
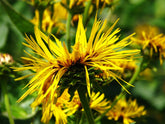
point(6, 100)
point(86, 11)
point(82, 118)
point(69, 18)
point(123, 92)
point(40, 18)
point(137, 71)
point(78, 117)
point(82, 94)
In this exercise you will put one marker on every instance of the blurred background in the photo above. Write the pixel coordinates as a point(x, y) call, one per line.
point(149, 88)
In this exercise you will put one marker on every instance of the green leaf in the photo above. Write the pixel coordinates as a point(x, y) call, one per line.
point(20, 22)
point(18, 112)
point(3, 34)
point(21, 110)
point(136, 1)
point(159, 8)
point(148, 90)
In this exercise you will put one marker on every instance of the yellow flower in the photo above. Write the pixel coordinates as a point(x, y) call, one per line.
point(104, 2)
point(126, 110)
point(149, 37)
point(52, 19)
point(63, 107)
point(98, 102)
point(69, 107)
point(54, 59)
point(52, 107)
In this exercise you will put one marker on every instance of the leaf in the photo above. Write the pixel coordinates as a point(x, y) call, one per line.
point(18, 112)
point(136, 1)
point(149, 91)
point(20, 22)
point(3, 34)
point(21, 110)
point(159, 8)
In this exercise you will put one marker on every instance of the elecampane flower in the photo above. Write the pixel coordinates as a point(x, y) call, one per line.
point(149, 37)
point(63, 107)
point(55, 60)
point(125, 111)
point(51, 19)
point(98, 102)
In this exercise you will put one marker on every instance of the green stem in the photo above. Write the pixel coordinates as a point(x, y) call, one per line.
point(137, 71)
point(123, 92)
point(86, 11)
point(6, 100)
point(82, 118)
point(41, 11)
point(78, 117)
point(69, 18)
point(85, 104)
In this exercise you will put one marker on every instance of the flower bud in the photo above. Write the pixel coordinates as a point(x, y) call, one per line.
point(6, 58)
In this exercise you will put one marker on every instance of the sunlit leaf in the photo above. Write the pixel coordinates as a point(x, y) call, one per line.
point(3, 34)
point(20, 22)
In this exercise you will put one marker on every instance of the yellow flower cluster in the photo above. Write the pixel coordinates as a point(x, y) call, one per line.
point(57, 17)
point(125, 110)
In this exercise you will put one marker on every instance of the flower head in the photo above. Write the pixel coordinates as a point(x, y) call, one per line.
point(126, 110)
point(51, 19)
point(149, 38)
point(98, 102)
point(55, 61)
point(63, 107)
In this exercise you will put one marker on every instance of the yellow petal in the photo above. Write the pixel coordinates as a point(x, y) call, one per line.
point(87, 80)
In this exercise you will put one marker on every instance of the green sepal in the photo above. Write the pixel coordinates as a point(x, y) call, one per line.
point(97, 87)
point(72, 90)
point(61, 90)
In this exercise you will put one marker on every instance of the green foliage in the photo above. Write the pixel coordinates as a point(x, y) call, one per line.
point(152, 90)
point(24, 25)
point(3, 34)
